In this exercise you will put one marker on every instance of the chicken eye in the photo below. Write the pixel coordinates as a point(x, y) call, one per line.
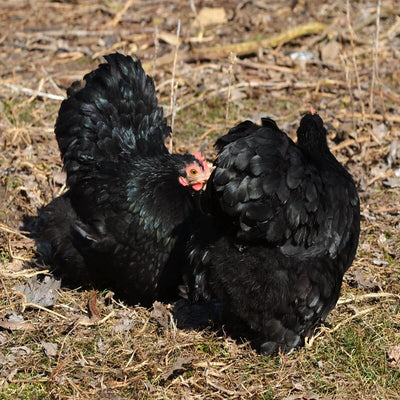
point(193, 171)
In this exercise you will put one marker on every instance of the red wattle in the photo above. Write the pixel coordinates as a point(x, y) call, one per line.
point(197, 186)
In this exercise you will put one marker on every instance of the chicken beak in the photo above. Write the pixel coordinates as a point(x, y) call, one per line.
point(205, 176)
point(199, 183)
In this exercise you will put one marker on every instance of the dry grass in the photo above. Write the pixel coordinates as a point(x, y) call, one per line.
point(92, 347)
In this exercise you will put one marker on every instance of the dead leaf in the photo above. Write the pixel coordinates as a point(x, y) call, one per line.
point(20, 351)
point(169, 38)
point(366, 247)
point(4, 338)
point(108, 297)
point(394, 153)
point(125, 322)
point(16, 326)
point(392, 182)
point(211, 373)
point(363, 281)
point(50, 348)
point(299, 386)
point(59, 177)
point(379, 171)
point(41, 292)
point(100, 347)
point(108, 394)
point(301, 396)
point(11, 374)
point(210, 16)
point(379, 262)
point(160, 314)
point(177, 366)
point(394, 356)
point(14, 317)
point(380, 130)
point(6, 370)
point(150, 387)
point(237, 94)
point(302, 393)
point(394, 353)
point(94, 312)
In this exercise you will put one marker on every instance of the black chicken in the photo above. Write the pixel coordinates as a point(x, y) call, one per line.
point(122, 222)
point(285, 219)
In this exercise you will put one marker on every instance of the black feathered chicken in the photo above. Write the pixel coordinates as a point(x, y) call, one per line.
point(122, 221)
point(285, 223)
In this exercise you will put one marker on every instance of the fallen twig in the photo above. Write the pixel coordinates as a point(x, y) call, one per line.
point(7, 229)
point(244, 48)
point(31, 92)
point(353, 58)
point(174, 86)
point(97, 322)
point(240, 49)
point(375, 57)
point(377, 117)
point(34, 305)
point(232, 62)
point(350, 142)
point(387, 209)
point(368, 296)
point(25, 273)
point(16, 326)
point(119, 15)
point(345, 321)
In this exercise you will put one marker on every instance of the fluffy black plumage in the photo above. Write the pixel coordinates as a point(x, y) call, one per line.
point(121, 222)
point(285, 223)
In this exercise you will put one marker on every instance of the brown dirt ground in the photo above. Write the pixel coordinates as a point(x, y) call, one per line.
point(347, 72)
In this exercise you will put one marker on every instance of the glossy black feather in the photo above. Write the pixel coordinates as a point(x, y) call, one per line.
point(123, 218)
point(285, 220)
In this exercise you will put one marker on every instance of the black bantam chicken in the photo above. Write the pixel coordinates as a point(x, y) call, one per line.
point(122, 223)
point(282, 227)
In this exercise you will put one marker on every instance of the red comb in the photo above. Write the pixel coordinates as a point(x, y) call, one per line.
point(200, 157)
point(312, 110)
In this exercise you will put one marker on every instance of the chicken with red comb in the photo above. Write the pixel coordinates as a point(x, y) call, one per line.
point(281, 227)
point(122, 224)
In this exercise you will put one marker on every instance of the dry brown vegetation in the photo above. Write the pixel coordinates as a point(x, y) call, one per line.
point(344, 62)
